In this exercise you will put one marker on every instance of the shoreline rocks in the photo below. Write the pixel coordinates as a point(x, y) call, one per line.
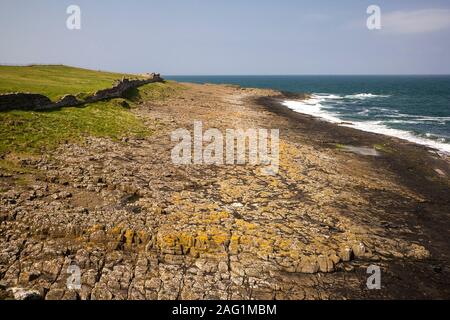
point(140, 227)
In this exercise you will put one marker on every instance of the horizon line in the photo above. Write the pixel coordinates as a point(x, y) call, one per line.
point(306, 74)
point(230, 75)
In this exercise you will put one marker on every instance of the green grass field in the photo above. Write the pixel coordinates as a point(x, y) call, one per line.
point(30, 132)
point(55, 81)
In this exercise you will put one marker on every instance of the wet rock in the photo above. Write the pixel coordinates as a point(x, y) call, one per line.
point(437, 269)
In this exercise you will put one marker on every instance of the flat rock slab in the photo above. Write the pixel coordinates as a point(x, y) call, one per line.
point(364, 151)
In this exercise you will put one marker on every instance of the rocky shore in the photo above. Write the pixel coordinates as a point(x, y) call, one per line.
point(140, 227)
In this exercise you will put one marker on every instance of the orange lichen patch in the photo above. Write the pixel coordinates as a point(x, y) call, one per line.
point(187, 241)
point(244, 226)
point(284, 245)
point(202, 242)
point(116, 230)
point(220, 238)
point(173, 242)
point(218, 216)
point(129, 237)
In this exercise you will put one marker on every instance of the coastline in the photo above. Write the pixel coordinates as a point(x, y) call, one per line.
point(399, 107)
point(126, 214)
point(315, 111)
point(421, 168)
point(423, 160)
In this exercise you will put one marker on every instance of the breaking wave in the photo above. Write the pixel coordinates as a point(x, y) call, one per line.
point(317, 106)
point(365, 96)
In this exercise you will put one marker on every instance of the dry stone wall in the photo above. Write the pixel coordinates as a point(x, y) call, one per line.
point(30, 101)
point(23, 101)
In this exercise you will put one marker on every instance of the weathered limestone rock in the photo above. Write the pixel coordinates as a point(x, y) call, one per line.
point(55, 294)
point(346, 254)
point(24, 294)
point(418, 252)
point(223, 267)
point(140, 227)
point(237, 269)
point(325, 264)
point(308, 265)
point(359, 249)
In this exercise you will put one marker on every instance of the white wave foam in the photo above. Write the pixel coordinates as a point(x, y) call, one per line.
point(438, 138)
point(414, 117)
point(365, 96)
point(437, 119)
point(314, 108)
point(404, 121)
point(379, 127)
point(364, 112)
point(327, 96)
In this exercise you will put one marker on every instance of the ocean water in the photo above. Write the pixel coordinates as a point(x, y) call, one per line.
point(414, 108)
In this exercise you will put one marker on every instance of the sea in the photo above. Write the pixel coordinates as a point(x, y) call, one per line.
point(414, 107)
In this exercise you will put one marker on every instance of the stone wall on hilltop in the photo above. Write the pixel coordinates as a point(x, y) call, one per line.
point(31, 101)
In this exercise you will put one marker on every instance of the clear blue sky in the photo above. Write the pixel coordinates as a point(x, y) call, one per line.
point(230, 36)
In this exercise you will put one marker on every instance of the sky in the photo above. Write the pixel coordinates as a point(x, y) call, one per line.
point(230, 37)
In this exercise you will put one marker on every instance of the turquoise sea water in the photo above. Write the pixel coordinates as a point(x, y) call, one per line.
point(415, 108)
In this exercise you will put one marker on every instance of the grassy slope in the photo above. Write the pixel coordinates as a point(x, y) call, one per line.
point(25, 131)
point(55, 81)
point(32, 132)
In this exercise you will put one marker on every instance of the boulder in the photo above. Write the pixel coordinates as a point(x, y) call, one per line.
point(24, 294)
